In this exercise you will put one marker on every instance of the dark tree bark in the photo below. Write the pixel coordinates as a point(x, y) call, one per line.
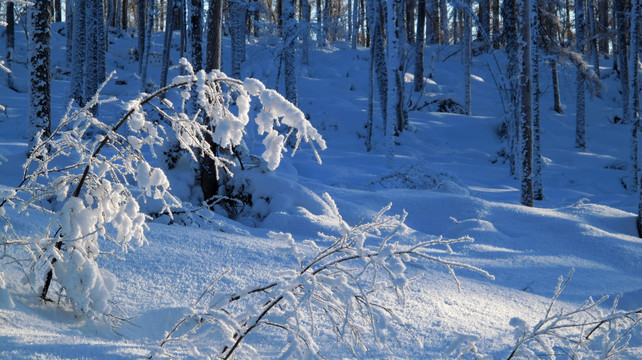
point(214, 35)
point(123, 15)
point(419, 46)
point(39, 72)
point(57, 11)
point(526, 111)
point(196, 34)
point(11, 43)
point(141, 16)
point(238, 31)
point(78, 49)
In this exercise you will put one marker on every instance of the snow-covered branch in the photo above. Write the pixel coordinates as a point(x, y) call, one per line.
point(337, 290)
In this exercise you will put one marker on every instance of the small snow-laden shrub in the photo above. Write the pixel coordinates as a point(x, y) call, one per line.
point(342, 292)
point(588, 331)
point(91, 188)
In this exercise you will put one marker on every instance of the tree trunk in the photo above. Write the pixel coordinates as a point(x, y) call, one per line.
point(526, 110)
point(580, 115)
point(445, 34)
point(167, 43)
point(392, 41)
point(622, 29)
point(289, 43)
point(305, 32)
point(634, 89)
point(78, 49)
point(538, 191)
point(91, 50)
point(237, 35)
point(196, 34)
point(11, 43)
point(141, 8)
point(123, 15)
point(57, 11)
point(419, 46)
point(207, 167)
point(39, 72)
point(148, 44)
point(214, 36)
point(468, 57)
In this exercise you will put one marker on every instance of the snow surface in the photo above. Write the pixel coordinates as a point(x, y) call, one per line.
point(447, 175)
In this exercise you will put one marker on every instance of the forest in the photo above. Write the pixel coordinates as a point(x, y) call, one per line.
point(249, 179)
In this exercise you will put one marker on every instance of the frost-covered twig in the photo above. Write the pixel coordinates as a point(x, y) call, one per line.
point(567, 330)
point(339, 288)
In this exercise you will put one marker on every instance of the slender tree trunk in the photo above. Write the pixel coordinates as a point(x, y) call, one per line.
point(580, 115)
point(142, 7)
point(538, 191)
point(196, 34)
point(468, 57)
point(557, 102)
point(497, 33)
point(603, 33)
point(305, 32)
point(392, 41)
point(214, 35)
point(238, 32)
point(10, 44)
point(57, 11)
point(445, 30)
point(39, 72)
point(207, 167)
point(634, 89)
point(289, 44)
point(355, 23)
point(78, 58)
point(69, 22)
point(593, 39)
point(151, 14)
point(167, 44)
point(419, 46)
point(91, 50)
point(123, 15)
point(622, 29)
point(526, 110)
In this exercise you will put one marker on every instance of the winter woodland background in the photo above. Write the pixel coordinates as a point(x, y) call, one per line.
point(329, 178)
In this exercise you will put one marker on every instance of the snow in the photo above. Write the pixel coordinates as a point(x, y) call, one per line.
point(447, 175)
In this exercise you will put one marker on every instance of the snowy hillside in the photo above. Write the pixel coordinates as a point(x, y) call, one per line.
point(448, 175)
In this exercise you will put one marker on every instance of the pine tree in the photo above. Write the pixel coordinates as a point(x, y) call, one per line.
point(39, 72)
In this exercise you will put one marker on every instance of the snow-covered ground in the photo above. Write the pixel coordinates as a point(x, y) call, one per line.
point(447, 175)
